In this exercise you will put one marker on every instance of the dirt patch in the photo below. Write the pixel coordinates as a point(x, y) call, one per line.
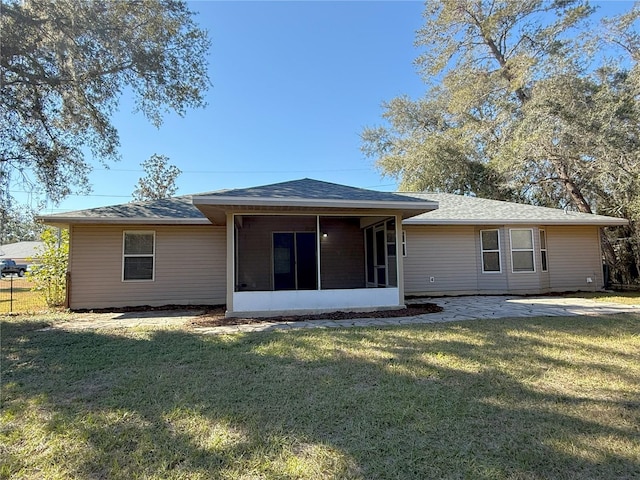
point(215, 317)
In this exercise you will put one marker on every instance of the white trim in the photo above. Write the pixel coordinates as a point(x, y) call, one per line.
point(404, 243)
point(517, 221)
point(532, 250)
point(145, 255)
point(318, 250)
point(482, 252)
point(315, 300)
point(543, 268)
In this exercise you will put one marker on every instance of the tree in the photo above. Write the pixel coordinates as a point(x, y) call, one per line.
point(65, 64)
point(50, 273)
point(160, 179)
point(517, 109)
point(17, 224)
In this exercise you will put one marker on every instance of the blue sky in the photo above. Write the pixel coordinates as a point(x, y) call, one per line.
point(294, 84)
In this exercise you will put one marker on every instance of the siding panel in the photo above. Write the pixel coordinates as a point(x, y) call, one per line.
point(574, 256)
point(448, 254)
point(190, 267)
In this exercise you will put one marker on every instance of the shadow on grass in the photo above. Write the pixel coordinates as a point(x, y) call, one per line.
point(446, 401)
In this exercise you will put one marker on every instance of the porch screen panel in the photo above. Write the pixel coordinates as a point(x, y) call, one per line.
point(284, 261)
point(306, 272)
point(371, 276)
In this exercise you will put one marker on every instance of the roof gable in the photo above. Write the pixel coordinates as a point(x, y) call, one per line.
point(309, 196)
point(309, 189)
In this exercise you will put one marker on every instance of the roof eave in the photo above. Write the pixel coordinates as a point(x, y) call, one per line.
point(119, 221)
point(539, 221)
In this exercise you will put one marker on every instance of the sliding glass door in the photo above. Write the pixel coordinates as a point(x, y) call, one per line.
point(294, 261)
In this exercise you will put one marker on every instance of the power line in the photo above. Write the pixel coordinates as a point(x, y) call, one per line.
point(240, 171)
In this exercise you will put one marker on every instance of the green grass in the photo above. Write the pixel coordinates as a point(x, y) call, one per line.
point(16, 296)
point(508, 399)
point(628, 298)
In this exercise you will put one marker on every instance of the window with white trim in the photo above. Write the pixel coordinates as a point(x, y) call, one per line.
point(138, 255)
point(490, 246)
point(543, 251)
point(522, 250)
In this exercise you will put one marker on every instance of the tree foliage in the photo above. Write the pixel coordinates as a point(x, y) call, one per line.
point(525, 103)
point(49, 274)
point(65, 65)
point(159, 181)
point(17, 224)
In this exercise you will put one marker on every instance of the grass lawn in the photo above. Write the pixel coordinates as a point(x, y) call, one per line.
point(16, 296)
point(535, 398)
point(628, 298)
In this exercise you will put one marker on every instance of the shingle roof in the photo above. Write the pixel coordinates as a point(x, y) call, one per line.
point(459, 209)
point(310, 196)
point(309, 189)
point(168, 211)
point(20, 249)
point(453, 209)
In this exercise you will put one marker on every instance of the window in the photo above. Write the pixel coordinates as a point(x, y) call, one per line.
point(490, 245)
point(522, 250)
point(404, 243)
point(543, 250)
point(138, 255)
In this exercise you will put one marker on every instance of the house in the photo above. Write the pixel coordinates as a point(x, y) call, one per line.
point(310, 246)
point(21, 252)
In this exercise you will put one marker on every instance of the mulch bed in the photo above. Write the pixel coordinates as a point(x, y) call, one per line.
point(215, 317)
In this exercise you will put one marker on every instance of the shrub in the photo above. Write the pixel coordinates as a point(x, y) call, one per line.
point(49, 275)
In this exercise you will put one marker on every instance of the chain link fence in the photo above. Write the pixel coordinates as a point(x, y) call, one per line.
point(16, 296)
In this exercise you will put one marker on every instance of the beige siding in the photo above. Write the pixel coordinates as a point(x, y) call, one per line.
point(190, 267)
point(448, 254)
point(452, 256)
point(574, 256)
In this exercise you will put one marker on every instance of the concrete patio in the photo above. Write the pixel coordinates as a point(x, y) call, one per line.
point(454, 309)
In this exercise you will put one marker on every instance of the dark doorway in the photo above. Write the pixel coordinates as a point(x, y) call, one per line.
point(294, 261)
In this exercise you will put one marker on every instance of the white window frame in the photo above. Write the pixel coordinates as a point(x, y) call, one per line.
point(146, 255)
point(532, 250)
point(483, 251)
point(544, 252)
point(404, 243)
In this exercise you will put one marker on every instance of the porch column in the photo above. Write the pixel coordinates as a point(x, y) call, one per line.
point(399, 259)
point(318, 248)
point(231, 264)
